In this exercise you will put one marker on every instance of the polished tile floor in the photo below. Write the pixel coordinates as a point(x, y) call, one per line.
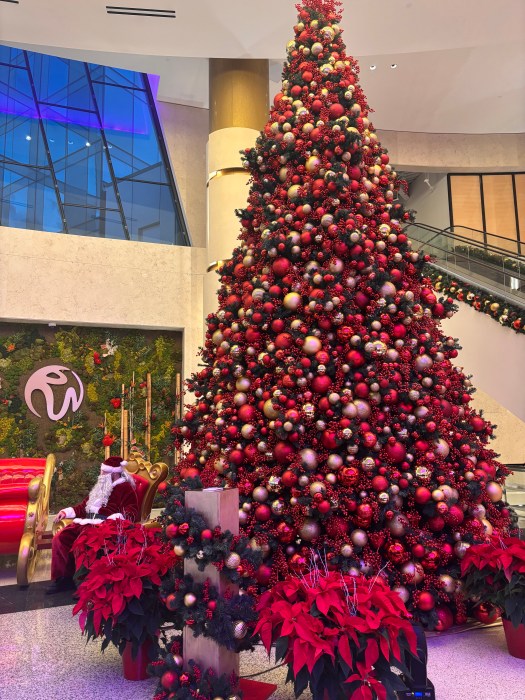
point(44, 657)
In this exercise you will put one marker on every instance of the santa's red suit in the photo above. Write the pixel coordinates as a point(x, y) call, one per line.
point(112, 497)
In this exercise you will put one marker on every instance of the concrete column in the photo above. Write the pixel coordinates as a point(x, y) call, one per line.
point(239, 105)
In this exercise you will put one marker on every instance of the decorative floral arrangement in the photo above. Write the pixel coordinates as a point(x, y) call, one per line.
point(338, 634)
point(120, 566)
point(494, 574)
point(179, 684)
point(496, 307)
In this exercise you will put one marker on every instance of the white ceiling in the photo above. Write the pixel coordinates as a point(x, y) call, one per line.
point(461, 63)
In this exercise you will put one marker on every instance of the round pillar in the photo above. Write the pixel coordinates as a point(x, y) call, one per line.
point(239, 105)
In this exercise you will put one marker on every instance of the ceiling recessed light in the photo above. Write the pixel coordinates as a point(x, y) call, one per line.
point(373, 67)
point(88, 144)
point(28, 138)
point(393, 65)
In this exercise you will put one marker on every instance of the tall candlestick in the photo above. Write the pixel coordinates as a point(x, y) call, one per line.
point(125, 431)
point(148, 414)
point(122, 421)
point(107, 448)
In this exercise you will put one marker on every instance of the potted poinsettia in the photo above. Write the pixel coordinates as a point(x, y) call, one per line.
point(339, 634)
point(120, 567)
point(494, 573)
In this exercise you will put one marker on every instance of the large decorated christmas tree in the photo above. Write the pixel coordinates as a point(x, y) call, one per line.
point(327, 396)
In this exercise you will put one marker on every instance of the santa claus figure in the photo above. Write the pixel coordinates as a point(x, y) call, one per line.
point(112, 497)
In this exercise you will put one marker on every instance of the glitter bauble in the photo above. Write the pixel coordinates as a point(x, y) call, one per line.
point(309, 530)
point(232, 561)
point(240, 629)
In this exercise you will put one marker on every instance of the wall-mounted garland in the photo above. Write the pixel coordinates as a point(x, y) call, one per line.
point(496, 307)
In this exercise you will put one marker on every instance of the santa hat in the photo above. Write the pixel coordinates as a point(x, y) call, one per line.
point(113, 465)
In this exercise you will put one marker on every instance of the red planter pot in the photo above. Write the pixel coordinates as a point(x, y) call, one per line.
point(515, 637)
point(135, 669)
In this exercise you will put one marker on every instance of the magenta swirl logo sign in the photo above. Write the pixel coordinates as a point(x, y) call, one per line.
point(45, 380)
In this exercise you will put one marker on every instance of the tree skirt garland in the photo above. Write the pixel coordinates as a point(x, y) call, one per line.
point(229, 620)
point(192, 683)
point(496, 307)
point(190, 537)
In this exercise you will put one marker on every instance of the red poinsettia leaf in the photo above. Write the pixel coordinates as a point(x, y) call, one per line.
point(117, 604)
point(344, 650)
point(264, 628)
point(371, 653)
point(82, 620)
point(385, 647)
point(378, 688)
point(362, 693)
point(300, 655)
point(135, 586)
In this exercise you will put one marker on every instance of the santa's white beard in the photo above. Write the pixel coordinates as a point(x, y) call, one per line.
point(100, 493)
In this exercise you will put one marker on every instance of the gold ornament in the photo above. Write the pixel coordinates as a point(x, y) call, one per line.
point(240, 629)
point(232, 561)
point(178, 550)
point(190, 599)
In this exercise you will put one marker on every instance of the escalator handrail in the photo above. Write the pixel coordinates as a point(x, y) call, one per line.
point(462, 239)
point(479, 263)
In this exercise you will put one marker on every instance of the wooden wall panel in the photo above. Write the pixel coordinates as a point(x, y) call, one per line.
point(500, 214)
point(465, 197)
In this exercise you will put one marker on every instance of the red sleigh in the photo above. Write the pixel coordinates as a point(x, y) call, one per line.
point(25, 485)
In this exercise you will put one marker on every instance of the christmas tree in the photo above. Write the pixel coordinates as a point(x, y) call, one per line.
point(327, 394)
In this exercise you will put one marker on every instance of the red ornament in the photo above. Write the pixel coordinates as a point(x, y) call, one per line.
point(426, 601)
point(283, 452)
point(396, 453)
point(486, 614)
point(321, 384)
point(445, 618)
point(281, 266)
point(263, 513)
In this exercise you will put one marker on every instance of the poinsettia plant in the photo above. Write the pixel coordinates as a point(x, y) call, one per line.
point(339, 634)
point(494, 572)
point(120, 567)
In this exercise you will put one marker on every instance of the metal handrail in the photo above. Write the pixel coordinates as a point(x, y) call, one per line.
point(463, 239)
point(477, 230)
